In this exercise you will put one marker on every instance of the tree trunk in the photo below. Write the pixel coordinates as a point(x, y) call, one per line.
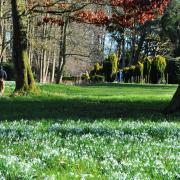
point(53, 67)
point(24, 77)
point(58, 80)
point(123, 57)
point(133, 47)
point(47, 67)
point(3, 43)
point(174, 105)
point(140, 45)
point(62, 54)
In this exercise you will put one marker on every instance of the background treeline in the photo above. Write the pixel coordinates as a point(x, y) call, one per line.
point(61, 52)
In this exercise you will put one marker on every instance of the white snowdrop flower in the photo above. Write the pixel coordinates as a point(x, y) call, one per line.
point(37, 161)
point(11, 159)
point(2, 177)
point(25, 167)
point(118, 176)
point(158, 163)
point(84, 176)
point(52, 177)
point(72, 174)
point(138, 176)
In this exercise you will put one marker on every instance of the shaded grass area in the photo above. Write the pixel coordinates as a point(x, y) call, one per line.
point(104, 101)
point(79, 109)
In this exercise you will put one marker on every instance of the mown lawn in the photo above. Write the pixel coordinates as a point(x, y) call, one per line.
point(105, 131)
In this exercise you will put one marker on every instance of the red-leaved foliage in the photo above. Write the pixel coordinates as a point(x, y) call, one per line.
point(98, 17)
point(132, 11)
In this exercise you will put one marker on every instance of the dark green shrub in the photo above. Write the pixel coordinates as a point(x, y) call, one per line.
point(69, 78)
point(147, 68)
point(161, 66)
point(154, 73)
point(172, 71)
point(97, 78)
point(126, 74)
point(92, 73)
point(131, 73)
point(85, 76)
point(98, 70)
point(114, 60)
point(107, 70)
point(110, 66)
point(97, 67)
point(158, 67)
point(139, 72)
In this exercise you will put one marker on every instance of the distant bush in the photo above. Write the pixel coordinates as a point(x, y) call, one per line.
point(172, 70)
point(114, 60)
point(150, 69)
point(131, 73)
point(161, 66)
point(154, 74)
point(110, 66)
point(126, 75)
point(69, 78)
point(97, 78)
point(139, 72)
point(107, 70)
point(97, 67)
point(85, 76)
point(98, 70)
point(158, 67)
point(147, 68)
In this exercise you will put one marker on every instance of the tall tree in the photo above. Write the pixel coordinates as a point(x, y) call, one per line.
point(24, 76)
point(171, 27)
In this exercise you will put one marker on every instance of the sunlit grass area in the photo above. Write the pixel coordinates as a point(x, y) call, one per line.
point(103, 131)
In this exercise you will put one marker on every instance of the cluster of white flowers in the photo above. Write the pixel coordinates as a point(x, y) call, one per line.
point(100, 149)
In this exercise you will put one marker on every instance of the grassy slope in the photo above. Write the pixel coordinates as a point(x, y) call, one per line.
point(117, 134)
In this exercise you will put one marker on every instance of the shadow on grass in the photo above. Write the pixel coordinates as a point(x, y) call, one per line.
point(55, 109)
point(135, 85)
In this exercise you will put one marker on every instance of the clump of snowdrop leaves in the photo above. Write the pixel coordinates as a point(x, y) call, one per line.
point(96, 150)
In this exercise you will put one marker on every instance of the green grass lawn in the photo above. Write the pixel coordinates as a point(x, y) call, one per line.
point(105, 131)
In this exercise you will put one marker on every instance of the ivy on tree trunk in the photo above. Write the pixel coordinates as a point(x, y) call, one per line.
point(24, 77)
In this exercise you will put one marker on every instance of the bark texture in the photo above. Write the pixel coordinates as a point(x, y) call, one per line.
point(24, 77)
point(174, 105)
